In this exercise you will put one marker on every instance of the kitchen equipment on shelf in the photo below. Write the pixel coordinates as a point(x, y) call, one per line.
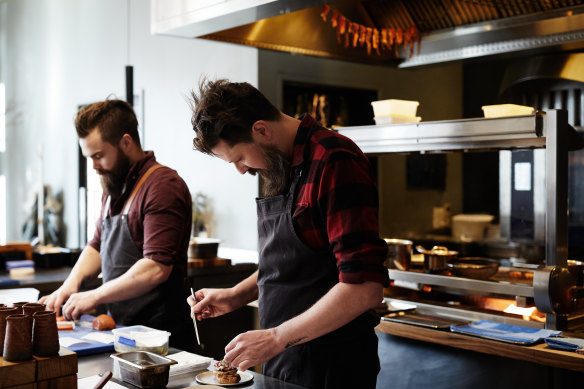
point(395, 119)
point(501, 110)
point(399, 254)
point(441, 217)
point(395, 111)
point(435, 260)
point(473, 267)
point(470, 227)
point(203, 248)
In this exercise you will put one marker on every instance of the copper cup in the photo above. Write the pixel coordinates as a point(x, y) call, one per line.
point(4, 313)
point(31, 308)
point(18, 340)
point(45, 336)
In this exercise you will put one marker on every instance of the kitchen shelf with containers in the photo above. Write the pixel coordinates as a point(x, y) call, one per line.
point(552, 287)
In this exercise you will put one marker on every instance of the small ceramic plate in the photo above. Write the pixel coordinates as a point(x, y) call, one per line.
point(209, 378)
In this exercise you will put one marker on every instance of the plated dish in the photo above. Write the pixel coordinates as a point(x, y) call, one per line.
point(210, 378)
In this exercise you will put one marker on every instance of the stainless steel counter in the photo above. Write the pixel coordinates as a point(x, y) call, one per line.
point(90, 365)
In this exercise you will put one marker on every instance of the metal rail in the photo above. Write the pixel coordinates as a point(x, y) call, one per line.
point(460, 283)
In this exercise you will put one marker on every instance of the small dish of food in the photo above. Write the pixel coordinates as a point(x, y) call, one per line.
point(225, 375)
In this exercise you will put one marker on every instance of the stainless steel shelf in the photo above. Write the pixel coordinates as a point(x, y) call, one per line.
point(465, 134)
point(464, 284)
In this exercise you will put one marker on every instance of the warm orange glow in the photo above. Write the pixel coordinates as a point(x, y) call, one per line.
point(508, 306)
point(525, 312)
point(496, 304)
point(530, 313)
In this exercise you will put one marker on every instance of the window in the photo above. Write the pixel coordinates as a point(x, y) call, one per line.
point(2, 150)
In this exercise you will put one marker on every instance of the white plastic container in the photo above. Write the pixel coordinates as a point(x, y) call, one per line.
point(141, 338)
point(395, 119)
point(502, 110)
point(395, 107)
point(470, 227)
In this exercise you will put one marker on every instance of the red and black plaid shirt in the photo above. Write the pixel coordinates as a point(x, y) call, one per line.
point(336, 204)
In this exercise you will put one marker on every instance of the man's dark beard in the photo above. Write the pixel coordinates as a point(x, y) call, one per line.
point(113, 181)
point(276, 175)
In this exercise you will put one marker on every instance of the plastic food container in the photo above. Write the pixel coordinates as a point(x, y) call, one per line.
point(395, 107)
point(396, 119)
point(470, 227)
point(501, 110)
point(143, 369)
point(141, 338)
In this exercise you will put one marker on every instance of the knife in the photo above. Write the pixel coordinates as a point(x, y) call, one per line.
point(194, 318)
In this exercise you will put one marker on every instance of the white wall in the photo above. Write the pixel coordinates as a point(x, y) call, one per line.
point(62, 53)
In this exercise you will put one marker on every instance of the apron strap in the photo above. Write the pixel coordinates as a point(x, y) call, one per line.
point(107, 206)
point(138, 186)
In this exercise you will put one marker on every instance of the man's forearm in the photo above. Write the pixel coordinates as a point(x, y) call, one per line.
point(340, 305)
point(88, 265)
point(141, 278)
point(247, 290)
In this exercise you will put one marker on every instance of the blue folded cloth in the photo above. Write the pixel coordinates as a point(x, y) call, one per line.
point(505, 332)
point(565, 344)
point(19, 263)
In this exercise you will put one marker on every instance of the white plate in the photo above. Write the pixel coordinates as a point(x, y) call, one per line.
point(209, 377)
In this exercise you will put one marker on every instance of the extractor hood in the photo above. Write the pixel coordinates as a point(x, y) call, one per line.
point(450, 29)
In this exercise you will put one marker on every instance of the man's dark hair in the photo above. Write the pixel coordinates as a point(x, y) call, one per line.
point(226, 111)
point(114, 118)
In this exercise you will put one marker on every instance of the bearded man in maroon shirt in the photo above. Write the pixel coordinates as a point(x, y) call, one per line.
point(321, 259)
point(141, 239)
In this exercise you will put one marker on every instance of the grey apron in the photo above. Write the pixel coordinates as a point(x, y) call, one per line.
point(291, 278)
point(118, 253)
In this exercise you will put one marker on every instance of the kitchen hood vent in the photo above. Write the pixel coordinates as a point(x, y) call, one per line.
point(451, 29)
point(553, 81)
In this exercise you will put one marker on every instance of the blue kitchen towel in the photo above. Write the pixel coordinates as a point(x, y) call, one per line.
point(504, 332)
point(566, 344)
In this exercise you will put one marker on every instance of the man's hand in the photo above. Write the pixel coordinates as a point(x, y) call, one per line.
point(55, 300)
point(211, 303)
point(79, 303)
point(253, 348)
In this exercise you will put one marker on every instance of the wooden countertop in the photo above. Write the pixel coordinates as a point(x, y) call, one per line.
point(540, 353)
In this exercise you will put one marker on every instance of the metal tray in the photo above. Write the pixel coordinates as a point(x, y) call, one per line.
point(435, 322)
point(144, 369)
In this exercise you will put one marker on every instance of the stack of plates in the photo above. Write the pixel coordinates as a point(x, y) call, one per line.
point(187, 362)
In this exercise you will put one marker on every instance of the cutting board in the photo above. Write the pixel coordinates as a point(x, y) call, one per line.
point(87, 347)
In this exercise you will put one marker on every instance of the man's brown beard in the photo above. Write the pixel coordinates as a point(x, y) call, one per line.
point(276, 175)
point(113, 181)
